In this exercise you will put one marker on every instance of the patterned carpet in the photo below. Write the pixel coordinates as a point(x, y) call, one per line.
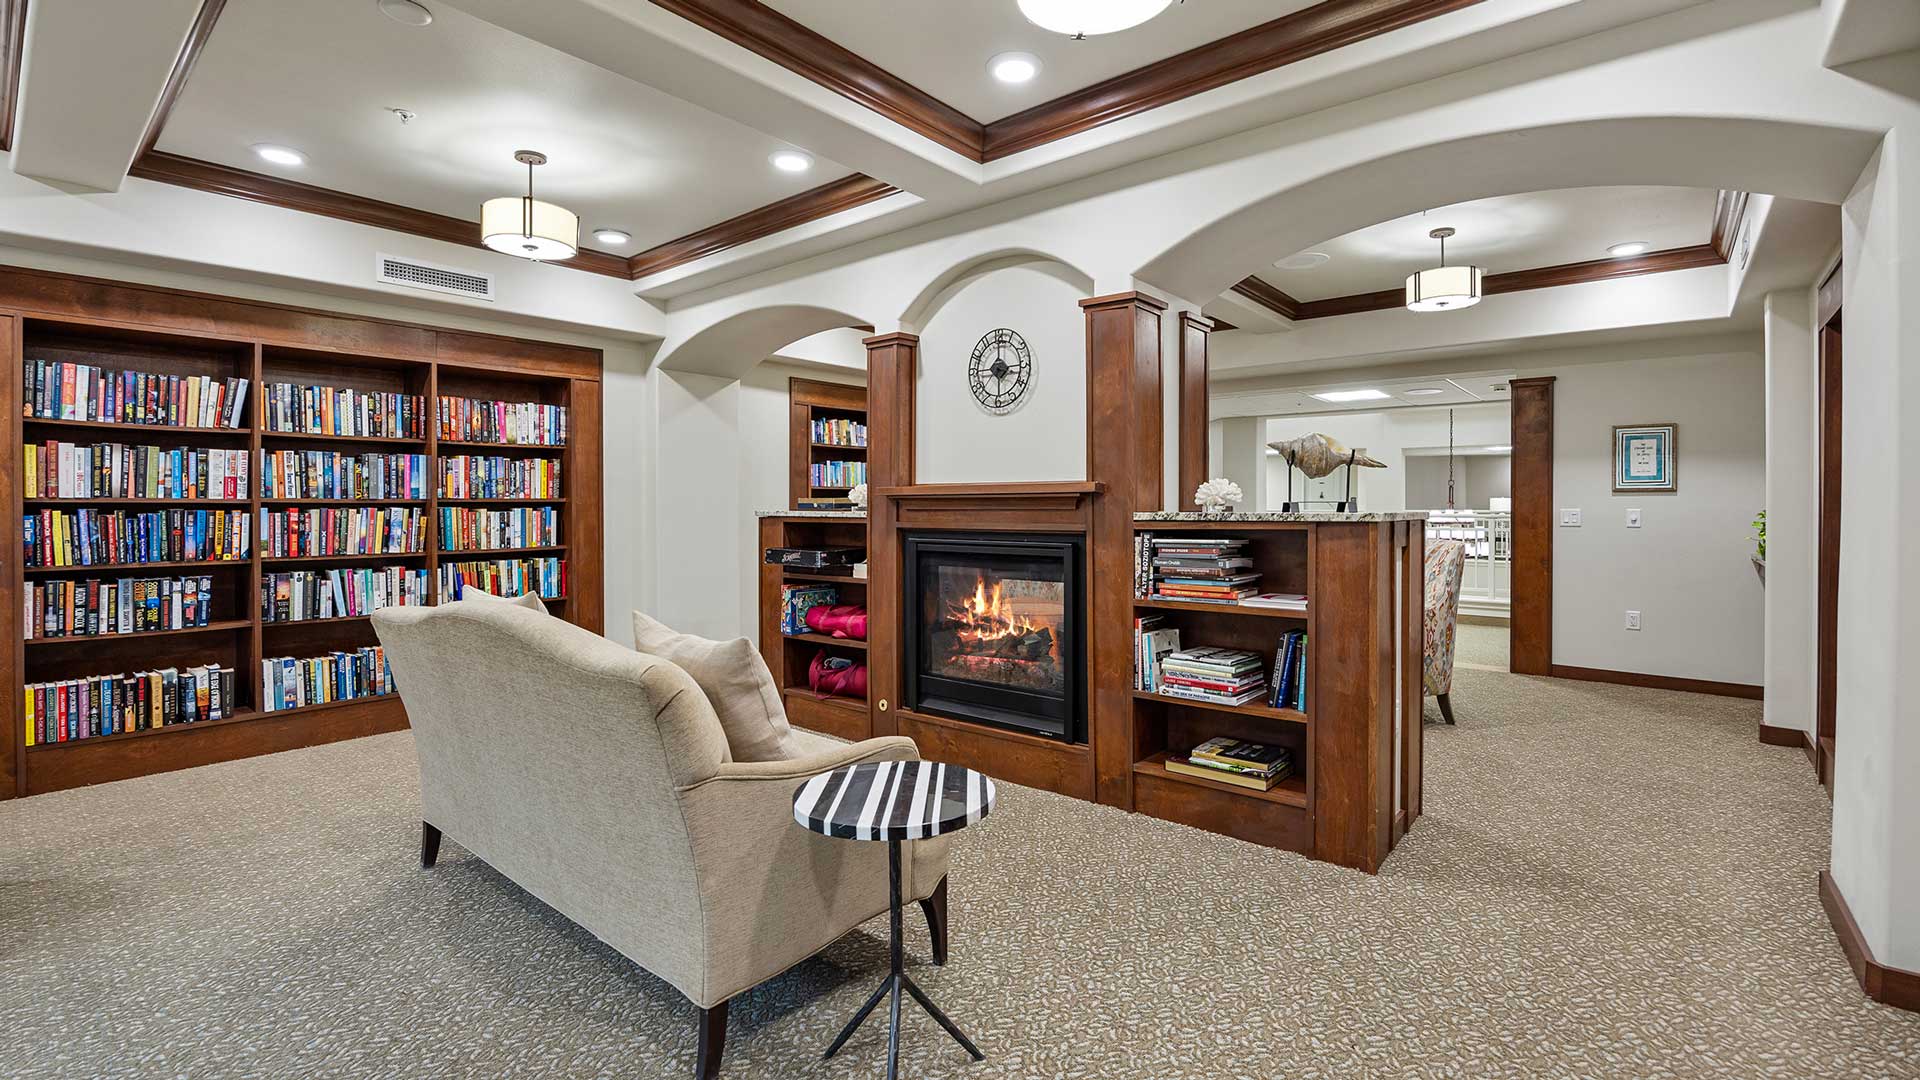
point(1609, 882)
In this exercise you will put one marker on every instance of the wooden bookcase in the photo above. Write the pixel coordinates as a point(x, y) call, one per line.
point(147, 329)
point(814, 400)
point(787, 656)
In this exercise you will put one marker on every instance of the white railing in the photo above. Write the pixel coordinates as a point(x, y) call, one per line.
point(1488, 534)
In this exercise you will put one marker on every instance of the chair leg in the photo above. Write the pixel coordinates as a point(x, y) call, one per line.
point(713, 1039)
point(429, 845)
point(1446, 707)
point(935, 909)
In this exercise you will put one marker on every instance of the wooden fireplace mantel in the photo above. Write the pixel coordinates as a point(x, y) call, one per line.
point(1033, 489)
point(1049, 505)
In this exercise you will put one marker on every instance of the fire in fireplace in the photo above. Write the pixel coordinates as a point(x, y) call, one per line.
point(994, 631)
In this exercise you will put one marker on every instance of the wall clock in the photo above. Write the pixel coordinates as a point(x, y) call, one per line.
point(1001, 371)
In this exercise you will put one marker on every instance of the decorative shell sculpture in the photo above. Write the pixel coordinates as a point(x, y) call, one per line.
point(1318, 455)
point(858, 496)
point(1217, 496)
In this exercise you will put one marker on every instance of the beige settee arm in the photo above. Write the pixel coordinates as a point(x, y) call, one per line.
point(829, 757)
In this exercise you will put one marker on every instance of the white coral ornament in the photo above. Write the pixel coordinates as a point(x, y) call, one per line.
point(858, 496)
point(1217, 496)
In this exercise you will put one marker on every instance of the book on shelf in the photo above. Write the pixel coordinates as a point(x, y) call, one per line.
point(328, 474)
point(467, 476)
point(796, 600)
point(56, 390)
point(339, 592)
point(835, 558)
point(466, 529)
point(96, 706)
point(1211, 674)
point(1290, 672)
point(837, 474)
point(505, 577)
point(510, 423)
point(1235, 761)
point(59, 538)
point(1277, 601)
point(838, 432)
point(63, 470)
point(288, 682)
point(298, 532)
point(329, 410)
point(1204, 570)
point(97, 608)
point(1152, 642)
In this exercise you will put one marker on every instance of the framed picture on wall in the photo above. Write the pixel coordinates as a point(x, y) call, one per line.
point(1644, 458)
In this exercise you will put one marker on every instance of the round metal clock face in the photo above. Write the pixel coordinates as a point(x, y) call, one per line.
point(1001, 371)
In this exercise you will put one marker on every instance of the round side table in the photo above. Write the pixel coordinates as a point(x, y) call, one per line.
point(894, 801)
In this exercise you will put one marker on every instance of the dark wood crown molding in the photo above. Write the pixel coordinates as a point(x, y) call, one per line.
point(1546, 277)
point(1309, 32)
point(13, 39)
point(190, 51)
point(1729, 212)
point(811, 205)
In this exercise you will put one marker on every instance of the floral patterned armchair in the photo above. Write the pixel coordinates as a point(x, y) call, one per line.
point(1446, 562)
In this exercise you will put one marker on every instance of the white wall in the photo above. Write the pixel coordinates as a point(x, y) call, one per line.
point(1793, 463)
point(1685, 569)
point(1045, 436)
point(1385, 434)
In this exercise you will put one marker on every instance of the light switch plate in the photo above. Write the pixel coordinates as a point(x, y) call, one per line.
point(1570, 519)
point(1633, 519)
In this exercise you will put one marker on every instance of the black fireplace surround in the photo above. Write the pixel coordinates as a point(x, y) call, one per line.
point(995, 630)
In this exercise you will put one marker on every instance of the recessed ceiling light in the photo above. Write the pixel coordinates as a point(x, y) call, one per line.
point(279, 155)
point(793, 161)
point(1305, 260)
point(406, 11)
point(1422, 391)
point(615, 237)
point(1498, 449)
point(1014, 67)
point(1082, 18)
point(1352, 395)
point(1631, 247)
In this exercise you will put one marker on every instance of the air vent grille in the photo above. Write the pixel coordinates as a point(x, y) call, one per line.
point(414, 274)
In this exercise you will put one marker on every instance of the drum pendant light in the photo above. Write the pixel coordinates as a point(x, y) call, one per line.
point(1444, 288)
point(527, 228)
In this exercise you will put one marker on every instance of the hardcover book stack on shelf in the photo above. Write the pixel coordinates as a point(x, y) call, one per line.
point(325, 474)
point(63, 470)
point(1289, 681)
point(511, 423)
point(96, 608)
point(290, 683)
point(70, 709)
point(1237, 762)
point(64, 391)
point(1199, 569)
point(327, 410)
point(839, 432)
point(462, 529)
point(470, 477)
point(1214, 675)
point(339, 593)
point(838, 474)
point(505, 577)
point(55, 538)
point(358, 530)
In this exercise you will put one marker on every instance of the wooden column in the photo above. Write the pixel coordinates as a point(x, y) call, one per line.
point(1195, 330)
point(1124, 443)
point(893, 363)
point(1531, 649)
point(1352, 693)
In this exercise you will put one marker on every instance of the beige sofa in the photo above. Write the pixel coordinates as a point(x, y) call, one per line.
point(599, 779)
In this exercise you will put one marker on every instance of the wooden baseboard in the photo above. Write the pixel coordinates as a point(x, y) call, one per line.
point(1783, 736)
point(1658, 682)
point(1886, 985)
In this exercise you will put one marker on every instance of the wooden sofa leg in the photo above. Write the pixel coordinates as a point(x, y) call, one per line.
point(935, 907)
point(713, 1039)
point(429, 845)
point(1446, 707)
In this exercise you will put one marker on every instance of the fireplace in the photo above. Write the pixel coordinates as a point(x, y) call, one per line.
point(994, 631)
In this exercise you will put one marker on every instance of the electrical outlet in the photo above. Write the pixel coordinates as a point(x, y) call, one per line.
point(1633, 620)
point(1570, 519)
point(1633, 519)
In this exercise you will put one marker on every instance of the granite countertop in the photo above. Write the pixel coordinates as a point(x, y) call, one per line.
point(1325, 517)
point(848, 515)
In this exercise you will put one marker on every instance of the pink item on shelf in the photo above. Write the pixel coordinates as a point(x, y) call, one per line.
point(848, 681)
point(838, 620)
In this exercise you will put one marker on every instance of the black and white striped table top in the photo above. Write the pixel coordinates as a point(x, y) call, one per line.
point(892, 800)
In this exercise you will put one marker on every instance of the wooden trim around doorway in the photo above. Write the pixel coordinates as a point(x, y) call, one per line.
point(1530, 644)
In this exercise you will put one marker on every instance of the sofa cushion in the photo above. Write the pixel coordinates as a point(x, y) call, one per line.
point(736, 682)
point(530, 601)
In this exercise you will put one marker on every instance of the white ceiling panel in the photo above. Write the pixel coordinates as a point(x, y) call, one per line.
point(322, 77)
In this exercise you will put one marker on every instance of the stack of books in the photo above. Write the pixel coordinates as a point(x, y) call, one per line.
point(94, 608)
point(505, 577)
point(331, 410)
point(59, 470)
point(462, 529)
point(839, 433)
point(510, 423)
point(1290, 672)
point(1214, 675)
point(325, 474)
point(465, 476)
point(339, 593)
point(358, 530)
point(1237, 762)
point(61, 391)
point(92, 538)
point(290, 683)
point(1201, 570)
point(98, 705)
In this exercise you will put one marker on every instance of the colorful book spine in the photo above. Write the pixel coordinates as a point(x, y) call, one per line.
point(464, 529)
point(512, 423)
point(838, 474)
point(98, 608)
point(330, 410)
point(839, 432)
point(323, 474)
point(340, 592)
point(55, 390)
point(98, 706)
point(60, 470)
point(55, 538)
point(505, 577)
point(288, 682)
point(472, 477)
point(357, 530)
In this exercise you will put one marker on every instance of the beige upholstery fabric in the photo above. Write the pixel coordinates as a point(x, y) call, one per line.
point(530, 601)
point(736, 682)
point(598, 779)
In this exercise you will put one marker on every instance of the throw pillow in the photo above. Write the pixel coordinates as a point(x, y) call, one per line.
point(530, 601)
point(736, 682)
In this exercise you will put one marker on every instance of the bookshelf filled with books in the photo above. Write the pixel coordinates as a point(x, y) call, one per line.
point(828, 444)
point(212, 499)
